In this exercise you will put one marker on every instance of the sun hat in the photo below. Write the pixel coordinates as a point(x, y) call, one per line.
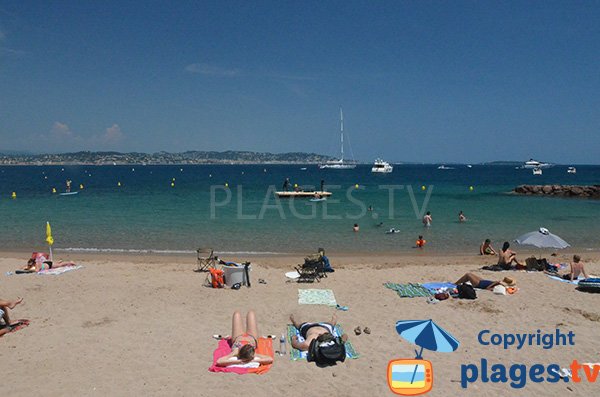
point(508, 282)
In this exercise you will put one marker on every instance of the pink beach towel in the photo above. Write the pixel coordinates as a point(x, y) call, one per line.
point(265, 346)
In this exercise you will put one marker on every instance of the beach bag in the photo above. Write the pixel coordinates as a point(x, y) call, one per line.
point(216, 278)
point(466, 291)
point(327, 352)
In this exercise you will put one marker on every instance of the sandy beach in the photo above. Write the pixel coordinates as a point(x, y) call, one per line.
point(143, 325)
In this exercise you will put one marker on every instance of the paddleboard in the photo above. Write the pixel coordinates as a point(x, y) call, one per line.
point(68, 193)
point(316, 200)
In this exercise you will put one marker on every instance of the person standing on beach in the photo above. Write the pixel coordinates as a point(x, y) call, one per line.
point(5, 306)
point(427, 219)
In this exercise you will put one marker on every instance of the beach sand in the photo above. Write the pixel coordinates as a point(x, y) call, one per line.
point(143, 325)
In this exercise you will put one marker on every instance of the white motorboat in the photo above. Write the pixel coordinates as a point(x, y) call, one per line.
point(531, 164)
point(383, 167)
point(537, 171)
point(572, 170)
point(443, 167)
point(340, 164)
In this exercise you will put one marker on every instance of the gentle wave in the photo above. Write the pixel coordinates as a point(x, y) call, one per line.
point(153, 251)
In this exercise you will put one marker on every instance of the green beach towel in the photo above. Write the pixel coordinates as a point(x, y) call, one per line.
point(411, 290)
point(296, 354)
point(316, 297)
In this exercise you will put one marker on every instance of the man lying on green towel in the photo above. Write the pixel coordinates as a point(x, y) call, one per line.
point(319, 341)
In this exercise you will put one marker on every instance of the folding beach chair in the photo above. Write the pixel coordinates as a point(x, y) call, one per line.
point(206, 259)
point(312, 269)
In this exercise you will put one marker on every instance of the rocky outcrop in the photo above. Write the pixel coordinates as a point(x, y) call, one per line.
point(560, 190)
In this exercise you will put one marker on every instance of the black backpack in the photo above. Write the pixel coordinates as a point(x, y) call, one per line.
point(327, 352)
point(466, 291)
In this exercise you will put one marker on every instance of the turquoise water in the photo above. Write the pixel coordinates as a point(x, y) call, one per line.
point(146, 213)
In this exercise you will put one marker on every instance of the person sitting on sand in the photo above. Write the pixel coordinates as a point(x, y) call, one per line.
point(322, 332)
point(486, 248)
point(244, 343)
point(478, 282)
point(576, 269)
point(5, 306)
point(507, 256)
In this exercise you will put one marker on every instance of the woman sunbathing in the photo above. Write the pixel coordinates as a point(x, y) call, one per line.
point(478, 282)
point(309, 331)
point(243, 344)
point(41, 263)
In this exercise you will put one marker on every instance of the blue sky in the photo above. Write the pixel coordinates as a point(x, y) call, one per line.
point(431, 81)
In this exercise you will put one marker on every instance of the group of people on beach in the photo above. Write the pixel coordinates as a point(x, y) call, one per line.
point(244, 340)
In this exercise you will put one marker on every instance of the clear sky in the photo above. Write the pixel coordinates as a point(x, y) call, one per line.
point(431, 81)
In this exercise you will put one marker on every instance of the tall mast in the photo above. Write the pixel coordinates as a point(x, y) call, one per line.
point(342, 132)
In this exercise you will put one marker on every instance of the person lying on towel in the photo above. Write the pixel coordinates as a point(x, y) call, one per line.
point(39, 261)
point(320, 331)
point(243, 343)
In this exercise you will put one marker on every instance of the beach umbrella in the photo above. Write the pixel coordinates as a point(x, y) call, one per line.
point(49, 238)
point(427, 335)
point(542, 238)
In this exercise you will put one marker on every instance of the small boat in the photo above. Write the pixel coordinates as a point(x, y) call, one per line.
point(301, 194)
point(469, 166)
point(340, 164)
point(68, 193)
point(303, 169)
point(572, 170)
point(443, 167)
point(383, 167)
point(535, 164)
point(537, 171)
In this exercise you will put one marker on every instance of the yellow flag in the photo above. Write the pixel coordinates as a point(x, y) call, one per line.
point(49, 238)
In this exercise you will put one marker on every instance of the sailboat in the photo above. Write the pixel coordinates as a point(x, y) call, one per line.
point(340, 164)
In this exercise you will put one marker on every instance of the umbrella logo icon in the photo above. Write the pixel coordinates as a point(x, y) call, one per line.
point(412, 377)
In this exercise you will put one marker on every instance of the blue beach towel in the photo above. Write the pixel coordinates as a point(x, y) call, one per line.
point(435, 286)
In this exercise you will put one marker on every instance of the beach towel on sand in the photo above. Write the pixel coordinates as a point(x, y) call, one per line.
point(20, 325)
point(296, 354)
point(59, 270)
point(576, 282)
point(411, 290)
point(265, 347)
point(316, 297)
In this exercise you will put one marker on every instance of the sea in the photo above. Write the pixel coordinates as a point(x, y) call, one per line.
point(234, 210)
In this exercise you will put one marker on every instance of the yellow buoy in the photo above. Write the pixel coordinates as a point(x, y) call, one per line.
point(81, 186)
point(356, 186)
point(118, 183)
point(53, 190)
point(173, 179)
point(226, 184)
point(471, 188)
point(295, 185)
point(172, 184)
point(423, 187)
point(13, 195)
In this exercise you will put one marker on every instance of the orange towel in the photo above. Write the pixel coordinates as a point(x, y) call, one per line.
point(265, 346)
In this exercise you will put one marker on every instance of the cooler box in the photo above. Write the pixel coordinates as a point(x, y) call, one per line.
point(234, 274)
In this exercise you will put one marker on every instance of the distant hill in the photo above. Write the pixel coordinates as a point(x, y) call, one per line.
point(189, 157)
